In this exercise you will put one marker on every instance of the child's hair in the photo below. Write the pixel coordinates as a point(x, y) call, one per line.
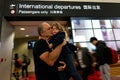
point(58, 26)
point(61, 29)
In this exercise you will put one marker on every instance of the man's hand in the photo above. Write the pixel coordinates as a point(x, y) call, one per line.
point(64, 42)
point(62, 67)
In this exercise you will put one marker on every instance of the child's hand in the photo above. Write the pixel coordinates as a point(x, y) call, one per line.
point(62, 67)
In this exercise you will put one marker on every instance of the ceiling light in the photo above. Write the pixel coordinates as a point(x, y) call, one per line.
point(27, 35)
point(22, 29)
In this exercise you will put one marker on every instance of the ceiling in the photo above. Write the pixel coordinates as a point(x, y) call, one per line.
point(30, 27)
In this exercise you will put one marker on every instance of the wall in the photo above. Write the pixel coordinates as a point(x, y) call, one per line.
point(7, 36)
point(1, 15)
point(20, 47)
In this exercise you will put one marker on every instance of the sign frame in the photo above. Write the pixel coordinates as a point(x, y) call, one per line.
point(61, 9)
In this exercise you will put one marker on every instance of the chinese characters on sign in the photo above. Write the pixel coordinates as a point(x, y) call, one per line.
point(91, 7)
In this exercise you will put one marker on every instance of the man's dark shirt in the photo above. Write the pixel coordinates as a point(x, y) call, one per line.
point(42, 70)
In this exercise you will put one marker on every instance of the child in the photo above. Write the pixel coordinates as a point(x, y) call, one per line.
point(58, 37)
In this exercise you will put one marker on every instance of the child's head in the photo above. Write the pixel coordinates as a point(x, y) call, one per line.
point(57, 27)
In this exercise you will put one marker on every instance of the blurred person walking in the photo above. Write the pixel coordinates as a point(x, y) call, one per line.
point(85, 61)
point(102, 57)
point(25, 64)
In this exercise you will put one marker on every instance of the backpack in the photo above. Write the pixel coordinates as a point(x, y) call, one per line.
point(26, 60)
point(110, 55)
point(114, 56)
point(18, 63)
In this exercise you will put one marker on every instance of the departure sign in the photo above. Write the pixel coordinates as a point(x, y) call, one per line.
point(49, 8)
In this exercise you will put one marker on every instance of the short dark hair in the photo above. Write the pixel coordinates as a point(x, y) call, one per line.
point(92, 39)
point(16, 56)
point(41, 28)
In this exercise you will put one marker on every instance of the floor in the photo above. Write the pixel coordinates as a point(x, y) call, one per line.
point(115, 71)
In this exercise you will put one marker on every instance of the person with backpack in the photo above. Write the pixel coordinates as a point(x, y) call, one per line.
point(103, 57)
point(25, 64)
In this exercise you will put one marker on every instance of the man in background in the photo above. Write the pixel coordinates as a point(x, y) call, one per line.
point(102, 54)
point(25, 64)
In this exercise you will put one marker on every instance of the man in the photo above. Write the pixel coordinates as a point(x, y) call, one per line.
point(25, 64)
point(101, 55)
point(45, 57)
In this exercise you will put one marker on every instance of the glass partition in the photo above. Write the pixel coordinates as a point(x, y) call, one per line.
point(103, 29)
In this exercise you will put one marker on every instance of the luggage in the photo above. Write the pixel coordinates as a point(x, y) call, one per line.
point(95, 76)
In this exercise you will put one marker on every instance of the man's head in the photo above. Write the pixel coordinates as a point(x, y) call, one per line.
point(93, 40)
point(44, 30)
point(16, 56)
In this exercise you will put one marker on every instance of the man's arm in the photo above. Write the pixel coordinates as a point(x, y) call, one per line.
point(50, 58)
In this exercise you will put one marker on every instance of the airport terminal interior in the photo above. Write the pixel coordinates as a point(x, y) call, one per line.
point(19, 22)
point(80, 30)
